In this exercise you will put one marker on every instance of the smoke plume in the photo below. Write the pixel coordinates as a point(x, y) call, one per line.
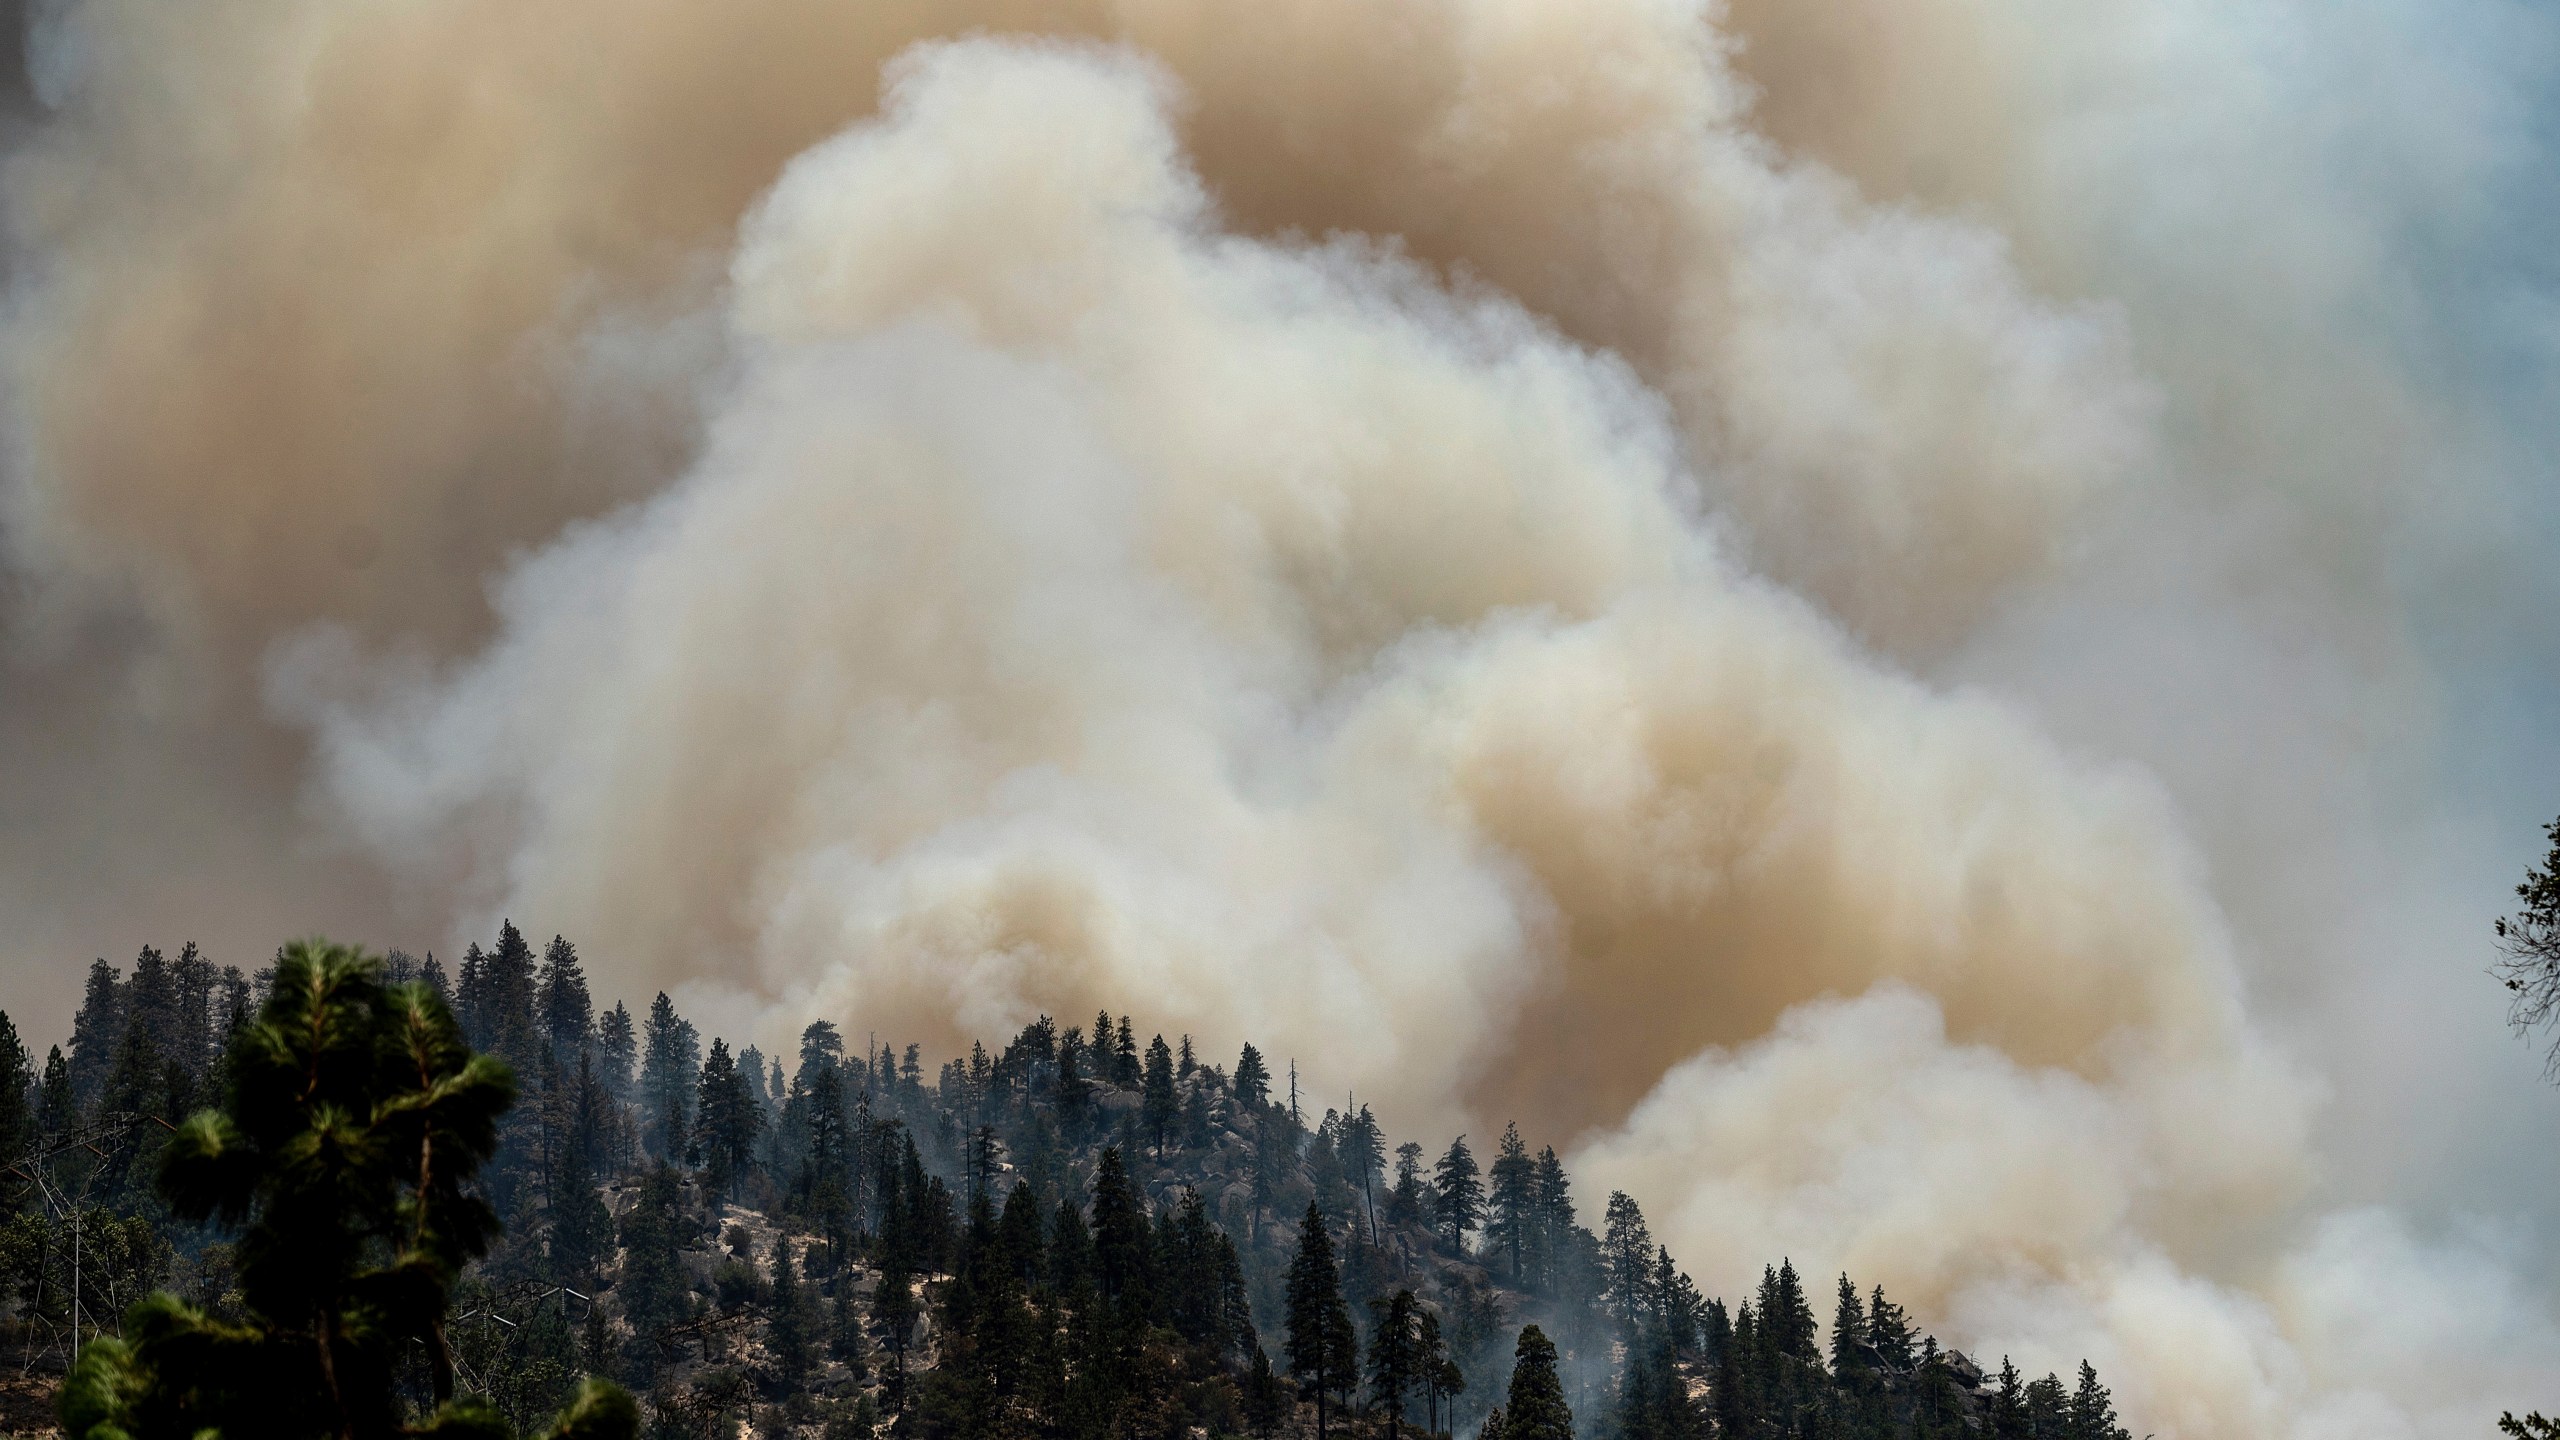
point(1824, 604)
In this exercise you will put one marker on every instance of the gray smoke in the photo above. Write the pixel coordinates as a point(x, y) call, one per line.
point(1830, 605)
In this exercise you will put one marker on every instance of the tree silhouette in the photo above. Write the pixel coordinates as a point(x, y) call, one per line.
point(355, 1120)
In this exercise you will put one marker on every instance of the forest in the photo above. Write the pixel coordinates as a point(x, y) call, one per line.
point(343, 1194)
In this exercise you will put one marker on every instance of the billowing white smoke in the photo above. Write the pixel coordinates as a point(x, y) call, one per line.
point(1076, 602)
point(1415, 534)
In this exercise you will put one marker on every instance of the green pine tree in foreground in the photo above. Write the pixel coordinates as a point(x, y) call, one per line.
point(354, 1122)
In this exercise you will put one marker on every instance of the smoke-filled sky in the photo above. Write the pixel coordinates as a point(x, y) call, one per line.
point(1918, 628)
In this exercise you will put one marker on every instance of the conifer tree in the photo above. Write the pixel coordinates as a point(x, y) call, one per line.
point(1737, 1390)
point(1513, 1199)
point(1535, 1408)
point(560, 996)
point(1626, 1253)
point(507, 992)
point(1363, 1148)
point(1441, 1377)
point(1653, 1401)
point(1786, 1318)
point(617, 1052)
point(1160, 1102)
point(471, 996)
point(1020, 1247)
point(789, 1330)
point(345, 1149)
point(57, 1109)
point(1121, 1242)
point(1070, 1251)
point(96, 1032)
point(727, 1123)
point(2048, 1408)
point(17, 1087)
point(1553, 1234)
point(894, 1307)
point(2093, 1410)
point(1409, 1199)
point(1849, 1335)
point(1253, 1078)
point(1458, 1194)
point(1323, 1349)
point(1395, 1362)
point(1124, 1057)
point(1889, 1331)
point(2005, 1418)
point(1074, 1091)
point(652, 1286)
point(1264, 1403)
point(669, 1067)
point(581, 1227)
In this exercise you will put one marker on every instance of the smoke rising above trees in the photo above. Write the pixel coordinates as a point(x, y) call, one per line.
point(1521, 553)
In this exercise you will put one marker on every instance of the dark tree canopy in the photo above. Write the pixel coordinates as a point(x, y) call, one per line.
point(2531, 939)
point(345, 1148)
point(1063, 1237)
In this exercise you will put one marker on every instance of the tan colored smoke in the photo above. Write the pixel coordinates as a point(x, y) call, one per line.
point(1365, 527)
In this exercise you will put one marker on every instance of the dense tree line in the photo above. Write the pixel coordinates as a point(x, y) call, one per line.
point(1080, 1235)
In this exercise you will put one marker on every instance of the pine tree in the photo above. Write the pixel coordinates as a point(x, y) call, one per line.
point(1458, 1195)
point(1553, 1234)
point(652, 1285)
point(2093, 1410)
point(1737, 1390)
point(1513, 1198)
point(1253, 1079)
point(560, 996)
point(617, 1052)
point(789, 1330)
point(1849, 1334)
point(1395, 1363)
point(669, 1068)
point(2005, 1418)
point(1441, 1377)
point(1125, 1070)
point(1786, 1318)
point(57, 1108)
point(727, 1123)
point(1653, 1401)
point(1264, 1403)
point(1626, 1253)
point(346, 1147)
point(894, 1307)
point(1535, 1408)
point(1362, 1145)
point(96, 1033)
point(1160, 1101)
point(1074, 1091)
point(1070, 1251)
point(1121, 1243)
point(507, 990)
point(1323, 1351)
point(17, 1087)
point(2048, 1409)
point(1889, 1331)
point(1407, 1201)
point(581, 1226)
